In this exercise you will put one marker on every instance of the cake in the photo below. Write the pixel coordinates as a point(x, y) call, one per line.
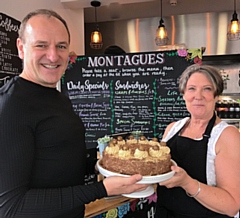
point(136, 156)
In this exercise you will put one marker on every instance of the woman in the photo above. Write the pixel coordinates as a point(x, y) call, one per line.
point(207, 150)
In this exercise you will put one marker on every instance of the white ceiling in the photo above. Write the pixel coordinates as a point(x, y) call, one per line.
point(128, 9)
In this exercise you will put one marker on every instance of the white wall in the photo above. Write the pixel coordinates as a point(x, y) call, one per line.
point(75, 18)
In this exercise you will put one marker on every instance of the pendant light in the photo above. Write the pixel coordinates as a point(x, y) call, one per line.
point(234, 27)
point(96, 36)
point(161, 33)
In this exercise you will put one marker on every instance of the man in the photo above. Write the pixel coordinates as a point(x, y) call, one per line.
point(42, 149)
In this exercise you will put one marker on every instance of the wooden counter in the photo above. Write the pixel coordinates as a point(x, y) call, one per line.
point(102, 205)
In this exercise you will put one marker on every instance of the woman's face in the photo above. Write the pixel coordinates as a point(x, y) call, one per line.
point(199, 96)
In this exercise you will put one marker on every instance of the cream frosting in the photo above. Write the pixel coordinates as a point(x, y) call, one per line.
point(165, 149)
point(121, 142)
point(140, 154)
point(132, 141)
point(155, 153)
point(124, 153)
point(112, 150)
point(154, 143)
point(143, 141)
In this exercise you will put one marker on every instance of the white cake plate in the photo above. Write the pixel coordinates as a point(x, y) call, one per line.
point(145, 180)
point(142, 194)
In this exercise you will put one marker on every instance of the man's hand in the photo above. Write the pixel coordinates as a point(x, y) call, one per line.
point(116, 185)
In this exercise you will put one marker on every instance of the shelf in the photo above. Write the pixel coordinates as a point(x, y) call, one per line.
point(233, 121)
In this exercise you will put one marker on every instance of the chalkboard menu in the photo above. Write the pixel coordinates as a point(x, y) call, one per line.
point(10, 63)
point(122, 93)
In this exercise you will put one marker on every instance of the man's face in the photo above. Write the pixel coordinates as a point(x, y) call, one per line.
point(44, 50)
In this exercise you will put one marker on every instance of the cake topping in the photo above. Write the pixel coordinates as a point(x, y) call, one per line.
point(125, 148)
point(124, 152)
point(155, 148)
point(131, 140)
point(111, 144)
point(112, 148)
point(140, 154)
point(142, 138)
point(162, 143)
point(141, 148)
point(155, 152)
point(119, 138)
point(154, 141)
point(114, 141)
point(131, 137)
point(165, 149)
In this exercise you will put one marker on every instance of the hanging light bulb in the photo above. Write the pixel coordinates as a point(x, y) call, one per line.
point(161, 33)
point(96, 36)
point(234, 27)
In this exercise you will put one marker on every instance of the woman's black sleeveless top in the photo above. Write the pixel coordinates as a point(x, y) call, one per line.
point(190, 155)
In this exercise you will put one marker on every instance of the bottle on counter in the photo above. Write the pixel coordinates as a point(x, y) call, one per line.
point(225, 112)
point(220, 109)
point(236, 109)
point(217, 107)
point(228, 109)
point(231, 109)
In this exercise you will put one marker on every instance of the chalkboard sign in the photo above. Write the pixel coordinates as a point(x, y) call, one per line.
point(10, 63)
point(123, 93)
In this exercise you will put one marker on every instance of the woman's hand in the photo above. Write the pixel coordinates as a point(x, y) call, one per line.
point(116, 185)
point(180, 178)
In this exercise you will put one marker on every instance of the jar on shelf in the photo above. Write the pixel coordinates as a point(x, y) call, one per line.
point(217, 107)
point(236, 109)
point(225, 113)
point(231, 109)
point(220, 109)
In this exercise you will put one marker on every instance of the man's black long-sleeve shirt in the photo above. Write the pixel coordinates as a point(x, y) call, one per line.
point(42, 154)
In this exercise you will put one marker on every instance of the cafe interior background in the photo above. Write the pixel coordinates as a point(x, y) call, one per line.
point(132, 24)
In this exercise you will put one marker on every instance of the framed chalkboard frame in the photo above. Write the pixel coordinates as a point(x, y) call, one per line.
point(136, 91)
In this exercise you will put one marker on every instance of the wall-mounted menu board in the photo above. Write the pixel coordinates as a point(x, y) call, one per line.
point(10, 63)
point(123, 93)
